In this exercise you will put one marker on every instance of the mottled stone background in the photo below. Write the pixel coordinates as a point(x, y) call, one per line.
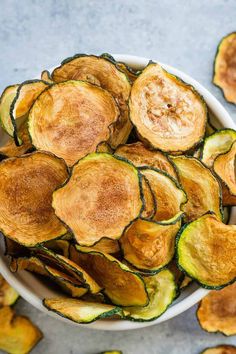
point(36, 35)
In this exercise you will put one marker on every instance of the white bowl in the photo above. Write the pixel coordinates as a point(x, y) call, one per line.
point(34, 290)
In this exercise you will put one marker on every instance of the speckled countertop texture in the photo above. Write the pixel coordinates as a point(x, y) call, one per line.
point(36, 35)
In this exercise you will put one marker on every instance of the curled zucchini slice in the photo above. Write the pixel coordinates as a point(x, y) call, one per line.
point(66, 282)
point(162, 292)
point(27, 184)
point(122, 285)
point(169, 196)
point(168, 114)
point(225, 167)
point(106, 195)
point(221, 349)
point(25, 96)
point(216, 311)
point(8, 295)
point(46, 76)
point(149, 245)
point(66, 265)
point(32, 264)
point(18, 334)
point(6, 100)
point(224, 67)
point(150, 205)
point(71, 118)
point(201, 186)
point(10, 149)
point(141, 156)
point(80, 311)
point(204, 248)
point(217, 144)
point(101, 71)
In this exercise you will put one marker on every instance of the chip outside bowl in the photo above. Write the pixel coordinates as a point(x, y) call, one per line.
point(34, 290)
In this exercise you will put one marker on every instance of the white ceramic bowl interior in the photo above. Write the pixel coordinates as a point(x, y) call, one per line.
point(34, 290)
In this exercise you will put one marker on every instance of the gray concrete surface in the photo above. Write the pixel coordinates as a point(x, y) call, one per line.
point(35, 35)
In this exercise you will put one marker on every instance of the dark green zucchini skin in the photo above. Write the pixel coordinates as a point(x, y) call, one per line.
point(214, 66)
point(146, 142)
point(27, 82)
point(185, 272)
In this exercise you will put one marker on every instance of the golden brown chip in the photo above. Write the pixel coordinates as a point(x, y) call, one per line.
point(8, 295)
point(18, 335)
point(225, 69)
point(217, 311)
point(27, 184)
point(221, 349)
point(141, 156)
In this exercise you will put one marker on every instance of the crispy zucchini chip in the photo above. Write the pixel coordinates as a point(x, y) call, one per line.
point(27, 183)
point(10, 149)
point(8, 295)
point(18, 334)
point(59, 246)
point(169, 196)
point(66, 282)
point(150, 245)
point(101, 71)
point(224, 67)
point(221, 349)
point(96, 202)
point(168, 114)
point(66, 265)
point(201, 186)
point(71, 118)
point(225, 167)
point(122, 285)
point(216, 144)
point(6, 100)
point(26, 94)
point(81, 311)
point(206, 251)
point(162, 292)
point(141, 156)
point(217, 311)
point(32, 264)
point(46, 76)
point(150, 205)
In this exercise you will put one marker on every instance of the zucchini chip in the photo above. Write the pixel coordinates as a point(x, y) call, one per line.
point(201, 186)
point(141, 156)
point(168, 114)
point(150, 206)
point(96, 202)
point(8, 295)
point(122, 285)
point(149, 245)
point(46, 76)
point(32, 264)
point(68, 266)
point(216, 144)
point(10, 149)
point(66, 282)
point(162, 292)
point(71, 118)
point(6, 100)
point(80, 311)
point(27, 183)
point(26, 94)
point(206, 251)
point(105, 245)
point(217, 311)
point(169, 196)
point(18, 334)
point(101, 71)
point(221, 349)
point(225, 167)
point(224, 67)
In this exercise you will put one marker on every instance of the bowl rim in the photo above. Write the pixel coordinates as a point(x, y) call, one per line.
point(117, 325)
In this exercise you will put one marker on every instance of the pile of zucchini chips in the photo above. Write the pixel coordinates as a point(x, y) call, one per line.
point(116, 188)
